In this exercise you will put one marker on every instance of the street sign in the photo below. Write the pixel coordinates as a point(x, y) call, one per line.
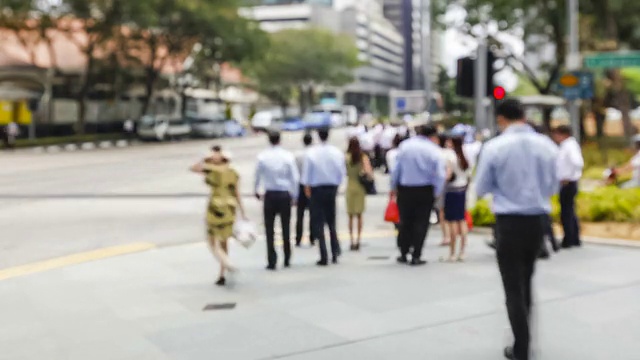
point(576, 85)
point(613, 60)
point(401, 104)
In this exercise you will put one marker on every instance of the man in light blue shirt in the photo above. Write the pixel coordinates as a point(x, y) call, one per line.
point(417, 179)
point(278, 174)
point(519, 169)
point(323, 170)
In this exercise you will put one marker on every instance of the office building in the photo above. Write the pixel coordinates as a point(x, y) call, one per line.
point(379, 43)
point(406, 16)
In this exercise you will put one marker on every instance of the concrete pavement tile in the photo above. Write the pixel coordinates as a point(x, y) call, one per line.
point(285, 333)
point(203, 340)
point(350, 352)
point(31, 348)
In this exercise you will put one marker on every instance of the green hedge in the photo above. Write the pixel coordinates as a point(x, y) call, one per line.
point(609, 204)
point(594, 157)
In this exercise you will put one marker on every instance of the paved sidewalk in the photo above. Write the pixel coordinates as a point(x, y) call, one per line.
point(149, 305)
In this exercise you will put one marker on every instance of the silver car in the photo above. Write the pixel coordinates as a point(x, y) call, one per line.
point(207, 127)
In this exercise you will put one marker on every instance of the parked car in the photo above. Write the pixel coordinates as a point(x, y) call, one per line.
point(293, 124)
point(207, 127)
point(263, 120)
point(317, 120)
point(233, 128)
point(162, 127)
point(271, 119)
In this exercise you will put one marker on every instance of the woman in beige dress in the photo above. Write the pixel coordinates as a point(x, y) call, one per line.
point(358, 164)
point(223, 203)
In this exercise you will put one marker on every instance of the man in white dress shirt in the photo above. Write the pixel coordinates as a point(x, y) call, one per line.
point(278, 174)
point(303, 200)
point(569, 168)
point(386, 143)
point(323, 171)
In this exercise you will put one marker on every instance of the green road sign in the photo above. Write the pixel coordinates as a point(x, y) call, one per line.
point(613, 60)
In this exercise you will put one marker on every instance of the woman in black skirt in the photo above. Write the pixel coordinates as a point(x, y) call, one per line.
point(455, 197)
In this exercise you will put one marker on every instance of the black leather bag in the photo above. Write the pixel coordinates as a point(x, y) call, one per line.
point(368, 183)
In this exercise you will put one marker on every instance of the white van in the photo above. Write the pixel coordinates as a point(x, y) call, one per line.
point(162, 127)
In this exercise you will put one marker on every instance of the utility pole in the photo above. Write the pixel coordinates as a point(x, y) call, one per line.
point(426, 38)
point(480, 81)
point(573, 62)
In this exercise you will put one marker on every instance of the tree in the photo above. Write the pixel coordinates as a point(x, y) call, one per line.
point(303, 59)
point(234, 40)
point(543, 26)
point(30, 22)
point(94, 26)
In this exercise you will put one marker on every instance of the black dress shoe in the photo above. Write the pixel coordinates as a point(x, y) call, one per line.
point(565, 245)
point(221, 281)
point(334, 259)
point(402, 259)
point(418, 262)
point(508, 353)
point(271, 267)
point(544, 256)
point(322, 263)
point(287, 263)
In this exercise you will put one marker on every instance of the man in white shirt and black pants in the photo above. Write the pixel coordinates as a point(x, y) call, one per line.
point(277, 170)
point(569, 169)
point(323, 171)
point(303, 200)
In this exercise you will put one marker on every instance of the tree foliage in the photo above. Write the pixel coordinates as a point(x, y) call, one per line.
point(124, 35)
point(305, 58)
point(605, 25)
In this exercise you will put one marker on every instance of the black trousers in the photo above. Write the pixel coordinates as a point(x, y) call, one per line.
point(518, 244)
point(323, 212)
point(568, 215)
point(277, 203)
point(302, 207)
point(415, 205)
point(548, 233)
point(378, 159)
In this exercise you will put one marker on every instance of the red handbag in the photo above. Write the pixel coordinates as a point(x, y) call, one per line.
point(392, 214)
point(469, 219)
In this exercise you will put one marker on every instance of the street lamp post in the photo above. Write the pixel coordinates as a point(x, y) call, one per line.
point(573, 62)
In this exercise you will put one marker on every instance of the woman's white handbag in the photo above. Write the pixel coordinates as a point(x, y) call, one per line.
point(245, 232)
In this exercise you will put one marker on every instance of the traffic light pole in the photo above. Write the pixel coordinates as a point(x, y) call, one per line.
point(481, 87)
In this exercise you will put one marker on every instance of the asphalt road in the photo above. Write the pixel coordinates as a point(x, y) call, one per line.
point(53, 205)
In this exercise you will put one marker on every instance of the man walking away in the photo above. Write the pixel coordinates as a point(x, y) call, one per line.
point(418, 178)
point(367, 142)
point(303, 200)
point(277, 170)
point(323, 171)
point(386, 144)
point(569, 168)
point(519, 169)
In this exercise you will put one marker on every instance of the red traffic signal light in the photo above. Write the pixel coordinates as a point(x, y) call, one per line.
point(499, 93)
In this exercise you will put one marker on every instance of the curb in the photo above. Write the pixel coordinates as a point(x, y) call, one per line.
point(85, 146)
point(587, 239)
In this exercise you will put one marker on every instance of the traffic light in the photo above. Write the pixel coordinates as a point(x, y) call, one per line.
point(465, 80)
point(499, 93)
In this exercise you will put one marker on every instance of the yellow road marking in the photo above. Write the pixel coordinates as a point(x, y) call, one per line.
point(73, 260)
